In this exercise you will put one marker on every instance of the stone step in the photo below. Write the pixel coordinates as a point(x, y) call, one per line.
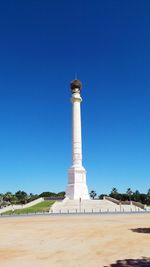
point(68, 205)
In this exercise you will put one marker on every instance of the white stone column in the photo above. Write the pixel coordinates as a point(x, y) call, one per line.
point(76, 188)
point(76, 130)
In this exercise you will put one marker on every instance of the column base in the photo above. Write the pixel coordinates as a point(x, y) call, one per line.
point(77, 187)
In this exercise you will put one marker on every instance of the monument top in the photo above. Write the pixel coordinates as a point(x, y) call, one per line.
point(75, 84)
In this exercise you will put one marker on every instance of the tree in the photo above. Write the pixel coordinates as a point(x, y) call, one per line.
point(129, 193)
point(102, 196)
point(148, 192)
point(137, 192)
point(48, 194)
point(21, 196)
point(136, 196)
point(61, 194)
point(8, 196)
point(114, 191)
point(93, 194)
point(14, 200)
point(32, 197)
point(148, 197)
point(1, 197)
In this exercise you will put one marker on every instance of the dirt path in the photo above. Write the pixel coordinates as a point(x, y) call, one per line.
point(71, 241)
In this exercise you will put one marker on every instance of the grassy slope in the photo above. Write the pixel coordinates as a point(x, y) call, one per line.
point(40, 207)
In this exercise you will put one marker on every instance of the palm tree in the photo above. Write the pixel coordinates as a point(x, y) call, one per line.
point(114, 191)
point(129, 193)
point(137, 192)
point(93, 194)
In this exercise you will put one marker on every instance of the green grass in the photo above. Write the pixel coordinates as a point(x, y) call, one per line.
point(40, 207)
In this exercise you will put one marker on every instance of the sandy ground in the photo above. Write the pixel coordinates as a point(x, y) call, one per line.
point(71, 241)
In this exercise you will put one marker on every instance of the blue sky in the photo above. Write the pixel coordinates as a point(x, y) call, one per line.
point(42, 45)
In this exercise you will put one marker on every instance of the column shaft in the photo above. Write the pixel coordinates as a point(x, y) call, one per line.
point(76, 132)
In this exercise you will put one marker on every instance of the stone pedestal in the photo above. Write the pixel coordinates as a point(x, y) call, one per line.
point(77, 187)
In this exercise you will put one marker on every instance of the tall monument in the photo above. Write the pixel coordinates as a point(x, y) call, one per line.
point(76, 188)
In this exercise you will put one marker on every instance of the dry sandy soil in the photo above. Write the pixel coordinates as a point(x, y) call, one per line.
point(71, 241)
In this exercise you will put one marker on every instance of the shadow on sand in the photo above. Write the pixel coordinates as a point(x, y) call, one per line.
point(144, 262)
point(141, 230)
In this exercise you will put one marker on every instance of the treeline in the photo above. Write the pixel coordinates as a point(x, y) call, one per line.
point(129, 195)
point(21, 197)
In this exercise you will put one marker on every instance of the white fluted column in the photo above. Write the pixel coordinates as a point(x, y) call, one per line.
point(76, 130)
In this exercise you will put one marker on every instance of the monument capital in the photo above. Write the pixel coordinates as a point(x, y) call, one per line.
point(75, 86)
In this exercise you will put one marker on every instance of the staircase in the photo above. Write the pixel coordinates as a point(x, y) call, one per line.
point(75, 206)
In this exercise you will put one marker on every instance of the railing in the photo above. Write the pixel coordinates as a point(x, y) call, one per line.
point(81, 212)
point(126, 202)
point(84, 211)
point(100, 211)
point(112, 200)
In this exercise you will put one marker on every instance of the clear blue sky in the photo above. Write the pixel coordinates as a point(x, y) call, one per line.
point(42, 45)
